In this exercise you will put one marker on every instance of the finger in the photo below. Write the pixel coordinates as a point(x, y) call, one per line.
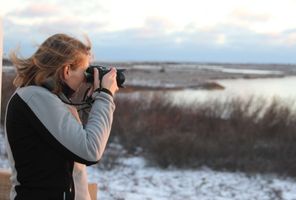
point(96, 78)
point(114, 71)
point(90, 91)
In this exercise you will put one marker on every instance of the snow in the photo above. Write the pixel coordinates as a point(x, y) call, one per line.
point(133, 179)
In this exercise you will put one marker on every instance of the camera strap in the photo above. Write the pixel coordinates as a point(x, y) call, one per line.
point(66, 94)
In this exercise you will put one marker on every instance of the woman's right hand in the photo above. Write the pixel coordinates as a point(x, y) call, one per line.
point(109, 81)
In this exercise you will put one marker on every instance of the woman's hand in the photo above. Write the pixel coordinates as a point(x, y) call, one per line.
point(96, 83)
point(109, 81)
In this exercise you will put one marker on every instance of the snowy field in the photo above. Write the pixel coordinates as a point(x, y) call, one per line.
point(133, 179)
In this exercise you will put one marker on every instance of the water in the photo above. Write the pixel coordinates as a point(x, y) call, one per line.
point(240, 71)
point(268, 89)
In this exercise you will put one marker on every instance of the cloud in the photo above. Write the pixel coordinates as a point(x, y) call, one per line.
point(16, 23)
point(155, 36)
point(154, 27)
point(223, 43)
point(36, 10)
point(33, 14)
point(68, 24)
point(57, 16)
point(244, 15)
point(286, 38)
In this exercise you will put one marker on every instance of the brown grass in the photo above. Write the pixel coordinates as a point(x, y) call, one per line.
point(231, 135)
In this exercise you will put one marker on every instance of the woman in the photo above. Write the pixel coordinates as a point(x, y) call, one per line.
point(47, 145)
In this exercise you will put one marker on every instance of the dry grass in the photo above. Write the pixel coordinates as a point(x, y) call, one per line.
point(231, 135)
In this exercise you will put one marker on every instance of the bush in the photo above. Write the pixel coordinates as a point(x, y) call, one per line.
point(250, 136)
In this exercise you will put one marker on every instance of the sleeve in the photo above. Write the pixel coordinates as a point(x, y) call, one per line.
point(61, 129)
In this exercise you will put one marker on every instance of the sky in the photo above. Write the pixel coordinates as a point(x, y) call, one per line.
point(236, 31)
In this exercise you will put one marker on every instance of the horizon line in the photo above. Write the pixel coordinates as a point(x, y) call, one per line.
point(6, 59)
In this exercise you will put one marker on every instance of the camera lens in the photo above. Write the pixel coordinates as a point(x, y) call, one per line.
point(120, 78)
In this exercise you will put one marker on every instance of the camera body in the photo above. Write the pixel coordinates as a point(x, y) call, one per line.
point(89, 74)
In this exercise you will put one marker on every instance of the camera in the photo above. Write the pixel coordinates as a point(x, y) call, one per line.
point(89, 74)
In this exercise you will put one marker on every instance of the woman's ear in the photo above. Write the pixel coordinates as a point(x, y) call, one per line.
point(66, 72)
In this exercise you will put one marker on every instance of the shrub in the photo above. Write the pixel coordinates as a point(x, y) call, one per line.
point(250, 136)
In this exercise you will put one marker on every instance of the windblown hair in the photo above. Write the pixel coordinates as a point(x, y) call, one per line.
point(49, 60)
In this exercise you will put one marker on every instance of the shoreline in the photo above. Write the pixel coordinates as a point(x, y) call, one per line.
point(164, 76)
point(168, 76)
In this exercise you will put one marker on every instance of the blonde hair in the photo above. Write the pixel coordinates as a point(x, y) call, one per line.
point(49, 60)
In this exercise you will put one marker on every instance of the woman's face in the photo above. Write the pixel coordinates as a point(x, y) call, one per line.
point(75, 77)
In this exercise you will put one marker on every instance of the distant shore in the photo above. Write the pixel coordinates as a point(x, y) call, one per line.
point(142, 76)
point(176, 76)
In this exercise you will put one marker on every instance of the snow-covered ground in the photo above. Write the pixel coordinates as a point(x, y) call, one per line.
point(133, 179)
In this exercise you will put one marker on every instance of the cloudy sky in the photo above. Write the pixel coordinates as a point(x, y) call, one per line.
point(259, 31)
